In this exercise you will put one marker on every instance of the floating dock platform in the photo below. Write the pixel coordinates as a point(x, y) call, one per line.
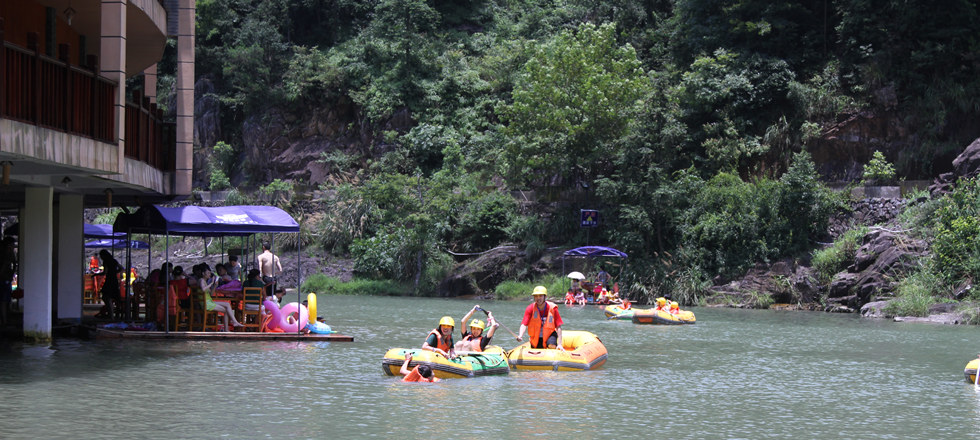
point(219, 336)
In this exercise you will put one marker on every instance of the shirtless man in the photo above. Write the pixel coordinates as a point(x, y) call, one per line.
point(270, 267)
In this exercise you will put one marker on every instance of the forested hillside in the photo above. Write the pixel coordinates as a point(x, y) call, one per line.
point(700, 129)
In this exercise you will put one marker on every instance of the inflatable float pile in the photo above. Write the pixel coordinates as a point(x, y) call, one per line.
point(293, 317)
point(468, 364)
point(583, 351)
point(662, 317)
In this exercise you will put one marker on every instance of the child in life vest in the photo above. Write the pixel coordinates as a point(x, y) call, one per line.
point(421, 373)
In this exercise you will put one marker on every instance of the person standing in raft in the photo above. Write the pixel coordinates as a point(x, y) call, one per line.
point(542, 322)
point(440, 339)
point(421, 373)
point(475, 339)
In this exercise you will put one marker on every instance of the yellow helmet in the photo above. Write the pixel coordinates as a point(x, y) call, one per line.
point(540, 290)
point(478, 324)
point(661, 301)
point(447, 320)
point(674, 305)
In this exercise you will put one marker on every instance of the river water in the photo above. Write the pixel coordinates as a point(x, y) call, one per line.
point(736, 374)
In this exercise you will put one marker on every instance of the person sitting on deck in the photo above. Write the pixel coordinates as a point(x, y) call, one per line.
point(421, 373)
point(234, 268)
point(476, 339)
point(580, 298)
point(253, 281)
point(225, 281)
point(440, 339)
point(207, 282)
point(569, 297)
point(603, 297)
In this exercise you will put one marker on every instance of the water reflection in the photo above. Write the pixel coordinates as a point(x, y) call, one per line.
point(735, 374)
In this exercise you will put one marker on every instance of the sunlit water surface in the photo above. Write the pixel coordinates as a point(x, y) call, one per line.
point(735, 374)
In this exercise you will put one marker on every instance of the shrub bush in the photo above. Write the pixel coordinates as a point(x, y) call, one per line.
point(828, 262)
point(323, 284)
point(915, 293)
point(955, 247)
point(521, 290)
point(878, 171)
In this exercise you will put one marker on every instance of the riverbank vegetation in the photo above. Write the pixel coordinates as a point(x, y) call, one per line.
point(685, 122)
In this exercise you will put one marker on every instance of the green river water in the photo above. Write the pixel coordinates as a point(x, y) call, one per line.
point(736, 374)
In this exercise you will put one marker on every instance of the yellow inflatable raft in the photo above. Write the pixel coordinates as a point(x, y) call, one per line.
point(970, 371)
point(583, 351)
point(651, 316)
point(468, 364)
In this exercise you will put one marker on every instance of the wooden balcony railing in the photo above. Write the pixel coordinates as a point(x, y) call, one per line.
point(51, 93)
point(148, 138)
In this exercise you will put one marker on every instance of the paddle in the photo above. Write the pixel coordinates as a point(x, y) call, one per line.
point(498, 322)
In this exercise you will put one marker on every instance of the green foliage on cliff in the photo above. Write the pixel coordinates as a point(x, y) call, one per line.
point(683, 119)
point(955, 246)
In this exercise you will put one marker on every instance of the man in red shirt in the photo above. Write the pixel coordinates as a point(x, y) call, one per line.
point(541, 322)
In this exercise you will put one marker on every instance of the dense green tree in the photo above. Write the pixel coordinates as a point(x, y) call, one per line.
point(575, 98)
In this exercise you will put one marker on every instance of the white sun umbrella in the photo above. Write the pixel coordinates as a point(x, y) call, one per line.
point(576, 276)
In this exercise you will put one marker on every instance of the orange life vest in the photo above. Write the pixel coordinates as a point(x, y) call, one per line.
point(534, 327)
point(478, 346)
point(414, 376)
point(440, 342)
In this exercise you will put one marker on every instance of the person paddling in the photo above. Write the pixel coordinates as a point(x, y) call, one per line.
point(541, 322)
point(440, 339)
point(476, 339)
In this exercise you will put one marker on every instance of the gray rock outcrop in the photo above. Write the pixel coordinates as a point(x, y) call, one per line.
point(966, 165)
point(883, 258)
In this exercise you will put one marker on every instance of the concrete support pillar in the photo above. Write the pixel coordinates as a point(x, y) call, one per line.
point(185, 97)
point(36, 257)
point(68, 270)
point(150, 83)
point(113, 64)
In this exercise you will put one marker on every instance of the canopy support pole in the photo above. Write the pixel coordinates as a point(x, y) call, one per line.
point(166, 291)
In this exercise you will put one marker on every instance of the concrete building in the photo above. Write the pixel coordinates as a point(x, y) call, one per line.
point(73, 137)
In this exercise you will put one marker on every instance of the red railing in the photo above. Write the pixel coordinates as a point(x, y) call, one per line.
point(51, 93)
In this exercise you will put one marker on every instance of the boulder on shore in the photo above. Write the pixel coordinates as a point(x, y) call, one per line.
point(883, 258)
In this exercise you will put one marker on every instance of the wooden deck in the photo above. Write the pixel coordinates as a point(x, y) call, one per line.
point(220, 336)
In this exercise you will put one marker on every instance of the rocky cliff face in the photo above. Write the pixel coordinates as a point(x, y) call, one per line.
point(287, 143)
point(841, 152)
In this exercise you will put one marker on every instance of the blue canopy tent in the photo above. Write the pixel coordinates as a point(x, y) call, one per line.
point(88, 231)
point(200, 221)
point(100, 231)
point(117, 243)
point(593, 252)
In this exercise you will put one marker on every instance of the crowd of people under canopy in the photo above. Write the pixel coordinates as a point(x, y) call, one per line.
point(225, 282)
